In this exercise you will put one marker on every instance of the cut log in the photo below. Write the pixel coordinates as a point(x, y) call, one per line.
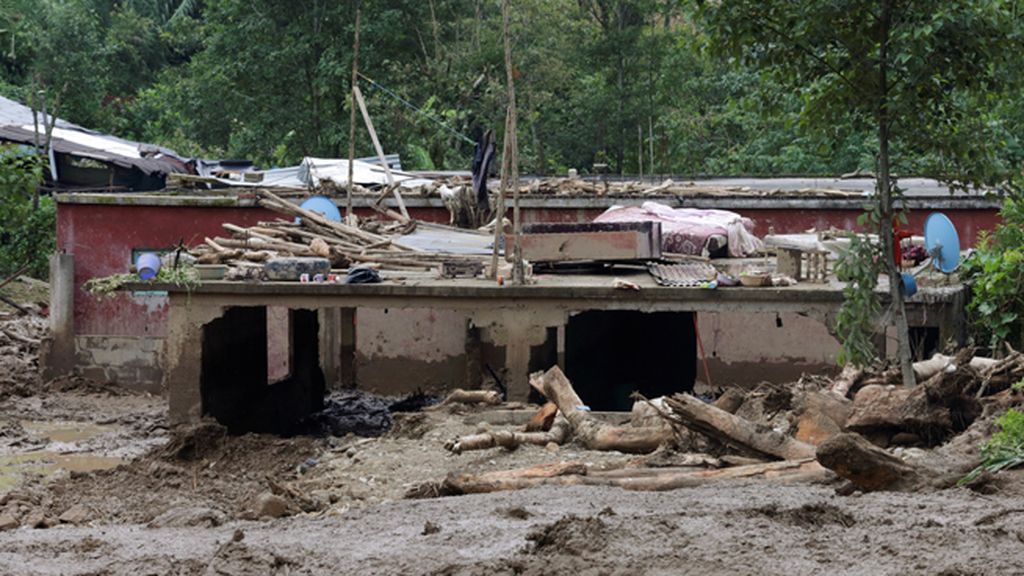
point(543, 419)
point(510, 439)
point(514, 479)
point(730, 400)
point(846, 380)
point(865, 465)
point(575, 474)
point(925, 369)
point(460, 396)
point(734, 431)
point(591, 433)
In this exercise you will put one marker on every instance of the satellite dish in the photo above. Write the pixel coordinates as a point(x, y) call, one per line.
point(942, 242)
point(322, 205)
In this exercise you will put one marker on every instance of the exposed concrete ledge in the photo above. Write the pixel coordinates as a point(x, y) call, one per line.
point(245, 200)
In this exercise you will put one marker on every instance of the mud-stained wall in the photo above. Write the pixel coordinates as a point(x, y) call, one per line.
point(401, 351)
point(746, 349)
point(132, 362)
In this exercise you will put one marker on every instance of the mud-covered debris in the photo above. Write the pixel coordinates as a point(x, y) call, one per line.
point(20, 341)
point(269, 505)
point(571, 534)
point(189, 517)
point(514, 512)
point(195, 442)
point(8, 522)
point(814, 515)
point(77, 514)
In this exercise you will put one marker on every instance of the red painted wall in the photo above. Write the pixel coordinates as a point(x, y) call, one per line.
point(102, 237)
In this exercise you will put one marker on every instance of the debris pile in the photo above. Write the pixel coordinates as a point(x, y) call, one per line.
point(20, 338)
point(312, 235)
point(575, 186)
point(810, 432)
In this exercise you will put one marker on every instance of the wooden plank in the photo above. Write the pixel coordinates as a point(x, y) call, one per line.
point(380, 151)
point(602, 246)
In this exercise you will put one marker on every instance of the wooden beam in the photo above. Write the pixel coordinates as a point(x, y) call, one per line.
point(380, 151)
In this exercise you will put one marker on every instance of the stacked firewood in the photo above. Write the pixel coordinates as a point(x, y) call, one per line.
point(310, 234)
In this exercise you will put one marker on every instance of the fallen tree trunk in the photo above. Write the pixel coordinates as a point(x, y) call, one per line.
point(846, 380)
point(568, 474)
point(865, 465)
point(591, 433)
point(510, 439)
point(460, 396)
point(734, 431)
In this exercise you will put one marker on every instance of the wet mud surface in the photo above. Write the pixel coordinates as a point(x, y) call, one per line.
point(721, 530)
point(188, 503)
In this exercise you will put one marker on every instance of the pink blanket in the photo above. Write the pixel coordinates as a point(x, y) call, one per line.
point(687, 230)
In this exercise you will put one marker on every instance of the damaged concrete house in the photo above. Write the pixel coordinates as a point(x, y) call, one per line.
point(624, 295)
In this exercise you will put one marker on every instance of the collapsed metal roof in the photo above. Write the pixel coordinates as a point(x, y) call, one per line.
point(17, 125)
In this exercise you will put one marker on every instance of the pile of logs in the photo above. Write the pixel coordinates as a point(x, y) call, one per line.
point(565, 418)
point(310, 234)
point(954, 392)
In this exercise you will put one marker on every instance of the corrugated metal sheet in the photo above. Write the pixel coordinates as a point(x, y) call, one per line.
point(683, 274)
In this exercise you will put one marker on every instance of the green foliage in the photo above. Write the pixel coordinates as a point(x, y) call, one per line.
point(108, 286)
point(1004, 450)
point(857, 319)
point(28, 233)
point(996, 275)
point(269, 80)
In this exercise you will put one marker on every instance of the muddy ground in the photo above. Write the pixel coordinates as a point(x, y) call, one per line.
point(93, 482)
point(188, 506)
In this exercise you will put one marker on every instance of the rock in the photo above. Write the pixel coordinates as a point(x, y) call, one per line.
point(865, 465)
point(188, 517)
point(8, 522)
point(77, 514)
point(823, 416)
point(430, 528)
point(36, 519)
point(891, 409)
point(271, 505)
point(551, 447)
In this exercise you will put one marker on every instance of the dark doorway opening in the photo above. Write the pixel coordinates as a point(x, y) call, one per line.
point(233, 381)
point(924, 342)
point(611, 354)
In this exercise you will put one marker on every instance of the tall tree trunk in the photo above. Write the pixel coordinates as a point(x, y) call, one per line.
point(885, 190)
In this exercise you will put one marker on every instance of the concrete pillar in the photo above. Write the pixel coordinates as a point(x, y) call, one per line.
point(347, 347)
point(330, 346)
point(183, 351)
point(60, 359)
point(474, 367)
point(519, 330)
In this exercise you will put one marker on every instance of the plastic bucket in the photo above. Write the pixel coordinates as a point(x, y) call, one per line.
point(909, 285)
point(148, 264)
point(322, 205)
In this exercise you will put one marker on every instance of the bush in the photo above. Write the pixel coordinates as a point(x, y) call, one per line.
point(996, 274)
point(27, 234)
point(1005, 449)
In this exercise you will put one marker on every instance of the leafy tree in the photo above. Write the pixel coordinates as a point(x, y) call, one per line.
point(27, 235)
point(917, 73)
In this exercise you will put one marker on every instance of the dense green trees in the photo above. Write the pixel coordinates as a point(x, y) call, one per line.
point(268, 79)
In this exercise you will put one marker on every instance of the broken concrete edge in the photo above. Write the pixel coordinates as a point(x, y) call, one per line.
point(482, 289)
